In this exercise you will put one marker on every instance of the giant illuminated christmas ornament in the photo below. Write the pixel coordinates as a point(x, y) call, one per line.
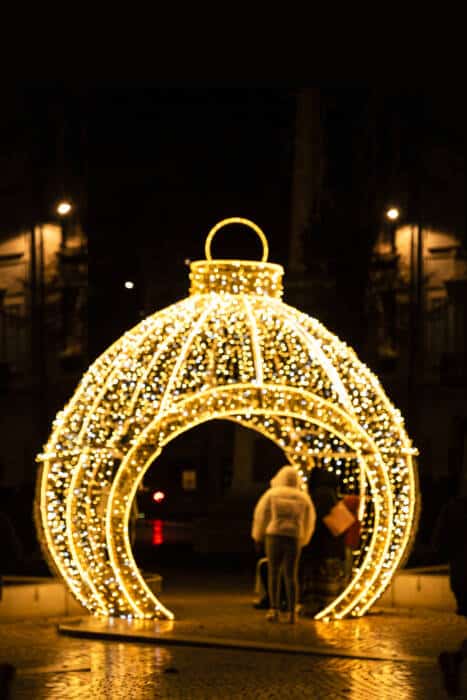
point(231, 350)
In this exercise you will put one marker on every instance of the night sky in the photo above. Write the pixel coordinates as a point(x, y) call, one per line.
point(152, 167)
point(176, 160)
point(164, 165)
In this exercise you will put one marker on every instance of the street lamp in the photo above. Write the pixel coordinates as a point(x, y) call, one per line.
point(63, 208)
point(392, 213)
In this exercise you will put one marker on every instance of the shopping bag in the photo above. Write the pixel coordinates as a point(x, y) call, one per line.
point(339, 519)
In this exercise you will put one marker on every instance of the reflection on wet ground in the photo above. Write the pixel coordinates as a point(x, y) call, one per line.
point(54, 667)
point(218, 604)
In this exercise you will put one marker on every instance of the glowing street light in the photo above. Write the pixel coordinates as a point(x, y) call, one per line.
point(129, 284)
point(63, 208)
point(393, 214)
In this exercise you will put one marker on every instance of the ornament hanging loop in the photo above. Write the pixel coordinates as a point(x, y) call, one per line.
point(236, 220)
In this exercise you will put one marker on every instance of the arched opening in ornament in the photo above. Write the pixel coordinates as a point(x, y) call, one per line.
point(197, 498)
point(200, 491)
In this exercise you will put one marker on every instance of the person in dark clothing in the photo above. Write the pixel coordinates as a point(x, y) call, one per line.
point(324, 561)
point(449, 541)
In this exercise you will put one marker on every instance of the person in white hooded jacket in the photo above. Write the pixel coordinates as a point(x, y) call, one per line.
point(284, 518)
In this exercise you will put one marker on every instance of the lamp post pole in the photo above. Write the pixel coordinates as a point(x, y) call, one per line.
point(41, 335)
point(64, 209)
point(33, 299)
point(392, 215)
point(416, 323)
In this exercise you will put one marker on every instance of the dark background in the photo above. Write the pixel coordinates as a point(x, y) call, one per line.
point(151, 167)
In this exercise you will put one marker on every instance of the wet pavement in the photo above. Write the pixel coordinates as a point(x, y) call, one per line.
point(220, 647)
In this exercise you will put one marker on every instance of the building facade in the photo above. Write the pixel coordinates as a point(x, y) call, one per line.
point(417, 310)
point(43, 336)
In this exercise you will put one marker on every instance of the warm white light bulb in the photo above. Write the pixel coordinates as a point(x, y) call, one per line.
point(393, 213)
point(63, 208)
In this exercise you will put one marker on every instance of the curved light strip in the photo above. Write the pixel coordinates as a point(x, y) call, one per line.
point(254, 342)
point(184, 352)
point(310, 342)
point(72, 535)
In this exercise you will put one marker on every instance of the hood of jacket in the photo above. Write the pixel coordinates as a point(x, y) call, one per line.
point(286, 476)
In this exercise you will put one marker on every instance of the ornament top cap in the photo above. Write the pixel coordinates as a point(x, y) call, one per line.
point(236, 276)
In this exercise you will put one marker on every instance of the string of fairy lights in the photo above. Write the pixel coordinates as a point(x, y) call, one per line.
point(231, 350)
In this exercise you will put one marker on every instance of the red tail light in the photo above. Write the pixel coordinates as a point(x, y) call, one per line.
point(157, 533)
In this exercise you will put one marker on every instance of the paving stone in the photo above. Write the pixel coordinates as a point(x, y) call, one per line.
point(53, 666)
